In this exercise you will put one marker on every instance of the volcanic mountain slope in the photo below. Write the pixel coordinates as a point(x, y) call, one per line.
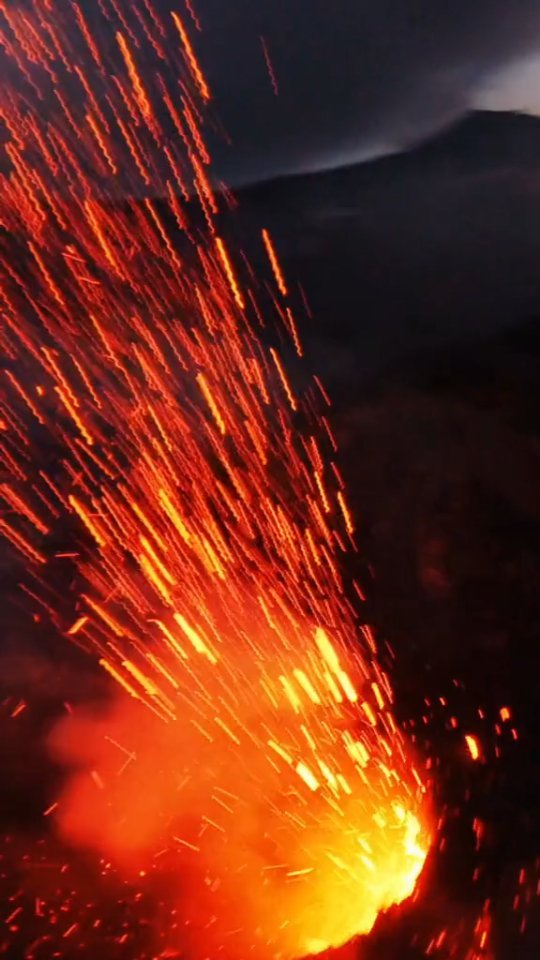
point(422, 248)
point(437, 244)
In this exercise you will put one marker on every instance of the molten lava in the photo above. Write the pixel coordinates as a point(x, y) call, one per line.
point(251, 753)
point(284, 821)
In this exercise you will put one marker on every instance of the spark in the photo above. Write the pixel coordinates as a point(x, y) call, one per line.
point(138, 88)
point(77, 626)
point(272, 256)
point(225, 260)
point(269, 67)
point(473, 746)
point(191, 58)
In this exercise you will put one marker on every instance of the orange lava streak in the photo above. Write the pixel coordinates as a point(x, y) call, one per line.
point(140, 93)
point(191, 58)
point(274, 262)
point(229, 273)
point(283, 378)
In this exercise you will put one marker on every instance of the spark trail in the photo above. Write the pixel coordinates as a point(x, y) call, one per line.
point(252, 738)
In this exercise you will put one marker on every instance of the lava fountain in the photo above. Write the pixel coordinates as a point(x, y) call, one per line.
point(250, 752)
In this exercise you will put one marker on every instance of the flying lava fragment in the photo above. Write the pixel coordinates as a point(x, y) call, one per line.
point(249, 751)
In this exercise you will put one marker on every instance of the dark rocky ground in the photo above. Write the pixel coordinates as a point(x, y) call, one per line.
point(445, 477)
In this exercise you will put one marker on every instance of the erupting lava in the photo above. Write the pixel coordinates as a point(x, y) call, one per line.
point(251, 753)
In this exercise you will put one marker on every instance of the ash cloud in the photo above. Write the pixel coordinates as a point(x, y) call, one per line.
point(356, 80)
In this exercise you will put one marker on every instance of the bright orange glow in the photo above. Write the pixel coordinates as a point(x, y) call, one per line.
point(250, 752)
point(473, 746)
point(303, 834)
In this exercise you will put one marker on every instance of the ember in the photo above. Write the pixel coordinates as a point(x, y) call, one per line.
point(250, 753)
